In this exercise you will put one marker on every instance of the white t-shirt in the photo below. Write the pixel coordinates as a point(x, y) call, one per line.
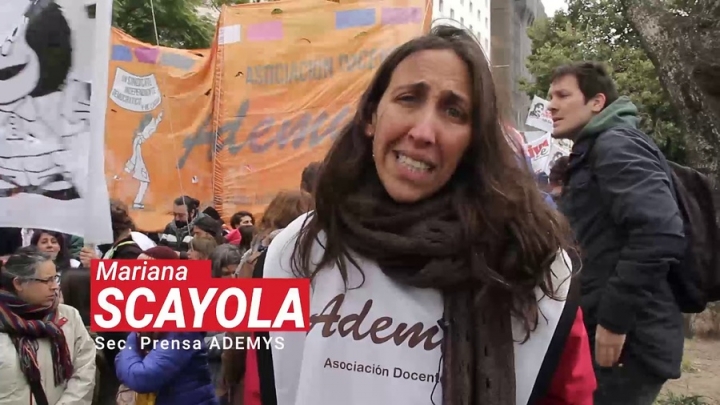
point(380, 343)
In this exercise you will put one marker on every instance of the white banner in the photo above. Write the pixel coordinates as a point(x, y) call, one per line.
point(539, 152)
point(51, 139)
point(558, 149)
point(135, 93)
point(533, 135)
point(538, 116)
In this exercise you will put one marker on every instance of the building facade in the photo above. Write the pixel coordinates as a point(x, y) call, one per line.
point(510, 48)
point(473, 15)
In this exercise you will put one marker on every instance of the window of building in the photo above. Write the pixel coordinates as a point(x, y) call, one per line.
point(487, 44)
point(462, 2)
point(479, 16)
point(487, 23)
point(440, 6)
point(452, 13)
point(470, 27)
point(462, 21)
point(471, 6)
point(478, 35)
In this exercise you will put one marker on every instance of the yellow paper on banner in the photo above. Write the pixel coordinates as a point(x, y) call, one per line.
point(158, 99)
point(290, 75)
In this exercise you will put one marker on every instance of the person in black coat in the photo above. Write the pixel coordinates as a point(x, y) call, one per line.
point(10, 240)
point(619, 200)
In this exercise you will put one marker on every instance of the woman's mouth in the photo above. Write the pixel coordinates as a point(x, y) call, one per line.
point(413, 164)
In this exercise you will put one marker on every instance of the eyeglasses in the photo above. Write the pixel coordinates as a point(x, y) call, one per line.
point(50, 280)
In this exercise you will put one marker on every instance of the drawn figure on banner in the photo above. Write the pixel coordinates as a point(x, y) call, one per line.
point(136, 164)
point(537, 110)
point(554, 159)
point(41, 108)
point(539, 116)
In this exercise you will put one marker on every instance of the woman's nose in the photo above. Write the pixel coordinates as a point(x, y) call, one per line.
point(424, 129)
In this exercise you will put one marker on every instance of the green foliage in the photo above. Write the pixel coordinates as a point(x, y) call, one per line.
point(220, 3)
point(687, 366)
point(672, 399)
point(178, 23)
point(597, 30)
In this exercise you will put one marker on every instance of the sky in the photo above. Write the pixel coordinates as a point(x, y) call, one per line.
point(551, 6)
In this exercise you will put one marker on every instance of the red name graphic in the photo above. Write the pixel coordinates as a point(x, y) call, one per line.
point(181, 295)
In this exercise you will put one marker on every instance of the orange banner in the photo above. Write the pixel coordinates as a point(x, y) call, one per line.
point(234, 125)
point(291, 73)
point(157, 99)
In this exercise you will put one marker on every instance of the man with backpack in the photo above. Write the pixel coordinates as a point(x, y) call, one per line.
point(619, 197)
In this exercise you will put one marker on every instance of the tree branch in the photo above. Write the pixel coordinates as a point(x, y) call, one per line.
point(686, 53)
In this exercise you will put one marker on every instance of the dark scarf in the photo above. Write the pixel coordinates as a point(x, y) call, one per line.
point(25, 324)
point(423, 246)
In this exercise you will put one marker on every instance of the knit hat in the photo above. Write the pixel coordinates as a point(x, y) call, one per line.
point(209, 225)
point(161, 253)
point(234, 237)
point(212, 213)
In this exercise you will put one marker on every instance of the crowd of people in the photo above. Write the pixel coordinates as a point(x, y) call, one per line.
point(442, 273)
point(47, 274)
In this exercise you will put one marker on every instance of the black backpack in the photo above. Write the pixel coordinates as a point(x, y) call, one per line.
point(695, 281)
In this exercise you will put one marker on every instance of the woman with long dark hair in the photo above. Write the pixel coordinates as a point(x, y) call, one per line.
point(439, 274)
point(55, 244)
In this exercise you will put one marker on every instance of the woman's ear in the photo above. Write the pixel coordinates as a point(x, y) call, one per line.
point(18, 284)
point(370, 127)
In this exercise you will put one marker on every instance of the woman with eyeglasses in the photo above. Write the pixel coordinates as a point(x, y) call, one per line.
point(47, 354)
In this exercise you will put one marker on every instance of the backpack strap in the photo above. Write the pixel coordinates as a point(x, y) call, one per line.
point(110, 253)
point(555, 351)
